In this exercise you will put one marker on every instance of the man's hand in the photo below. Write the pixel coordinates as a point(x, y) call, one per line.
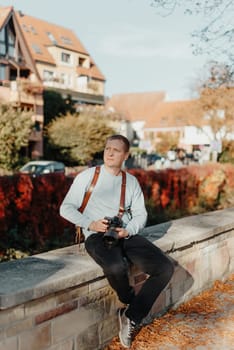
point(122, 233)
point(99, 226)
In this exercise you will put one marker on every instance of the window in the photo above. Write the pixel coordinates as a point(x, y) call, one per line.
point(36, 48)
point(2, 34)
point(66, 57)
point(7, 42)
point(164, 121)
point(66, 41)
point(48, 75)
point(179, 120)
point(33, 30)
point(2, 72)
point(2, 43)
point(66, 79)
point(63, 78)
point(81, 61)
point(52, 38)
point(25, 28)
point(11, 43)
point(82, 83)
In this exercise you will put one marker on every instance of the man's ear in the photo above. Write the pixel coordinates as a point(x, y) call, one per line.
point(126, 156)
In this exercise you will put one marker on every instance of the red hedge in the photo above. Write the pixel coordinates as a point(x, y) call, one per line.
point(29, 207)
point(29, 212)
point(207, 187)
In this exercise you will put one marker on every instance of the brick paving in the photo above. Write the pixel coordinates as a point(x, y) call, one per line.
point(206, 322)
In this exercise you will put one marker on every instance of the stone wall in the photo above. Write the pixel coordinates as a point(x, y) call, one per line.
point(60, 300)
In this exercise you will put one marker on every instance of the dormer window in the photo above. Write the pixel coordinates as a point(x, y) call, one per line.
point(81, 61)
point(52, 38)
point(25, 28)
point(36, 48)
point(66, 41)
point(179, 120)
point(33, 30)
point(164, 121)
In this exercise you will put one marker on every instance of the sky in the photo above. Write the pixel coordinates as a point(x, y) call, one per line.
point(135, 48)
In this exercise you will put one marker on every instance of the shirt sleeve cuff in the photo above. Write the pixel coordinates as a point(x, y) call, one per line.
point(85, 223)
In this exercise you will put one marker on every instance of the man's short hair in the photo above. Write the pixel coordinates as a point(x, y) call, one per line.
point(121, 138)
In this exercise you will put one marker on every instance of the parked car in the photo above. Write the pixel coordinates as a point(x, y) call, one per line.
point(152, 157)
point(39, 167)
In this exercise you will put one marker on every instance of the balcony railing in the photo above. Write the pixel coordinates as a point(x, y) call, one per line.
point(92, 87)
point(21, 91)
point(29, 87)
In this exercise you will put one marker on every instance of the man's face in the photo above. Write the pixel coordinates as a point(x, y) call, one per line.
point(115, 154)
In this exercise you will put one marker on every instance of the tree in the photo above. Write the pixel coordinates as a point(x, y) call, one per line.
point(227, 154)
point(15, 128)
point(77, 138)
point(55, 105)
point(216, 35)
point(213, 109)
point(167, 141)
point(216, 100)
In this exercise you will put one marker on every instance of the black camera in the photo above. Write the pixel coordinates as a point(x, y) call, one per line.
point(111, 236)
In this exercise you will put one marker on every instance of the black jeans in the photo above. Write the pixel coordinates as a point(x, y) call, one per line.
point(115, 264)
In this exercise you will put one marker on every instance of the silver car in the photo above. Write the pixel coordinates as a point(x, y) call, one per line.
point(39, 167)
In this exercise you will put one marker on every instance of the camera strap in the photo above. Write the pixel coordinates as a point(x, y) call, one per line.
point(122, 195)
point(79, 233)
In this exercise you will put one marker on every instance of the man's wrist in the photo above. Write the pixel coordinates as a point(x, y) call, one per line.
point(90, 226)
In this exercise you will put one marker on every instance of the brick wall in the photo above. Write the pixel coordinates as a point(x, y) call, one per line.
point(61, 300)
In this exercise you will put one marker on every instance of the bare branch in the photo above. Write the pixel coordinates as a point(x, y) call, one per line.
point(216, 37)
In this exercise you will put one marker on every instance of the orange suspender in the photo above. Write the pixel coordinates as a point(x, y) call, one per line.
point(90, 189)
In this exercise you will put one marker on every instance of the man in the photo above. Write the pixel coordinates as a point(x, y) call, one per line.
point(130, 247)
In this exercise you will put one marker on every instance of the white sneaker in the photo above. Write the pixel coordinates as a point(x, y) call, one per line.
point(126, 329)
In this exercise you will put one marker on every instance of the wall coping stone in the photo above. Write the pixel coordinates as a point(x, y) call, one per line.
point(43, 274)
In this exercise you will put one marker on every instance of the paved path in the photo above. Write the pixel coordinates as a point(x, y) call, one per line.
point(206, 322)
